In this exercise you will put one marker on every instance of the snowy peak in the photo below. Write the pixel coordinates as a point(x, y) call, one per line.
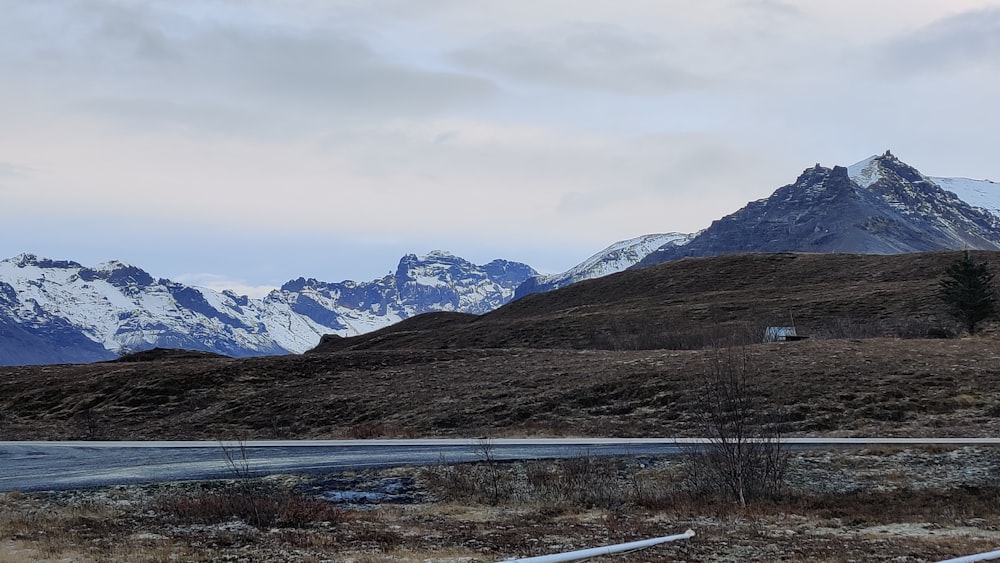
point(886, 173)
point(73, 313)
point(615, 258)
point(25, 260)
point(880, 205)
point(983, 194)
point(880, 169)
point(438, 281)
point(884, 168)
point(866, 172)
point(450, 283)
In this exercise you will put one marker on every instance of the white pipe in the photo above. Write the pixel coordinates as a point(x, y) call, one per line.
point(977, 557)
point(606, 550)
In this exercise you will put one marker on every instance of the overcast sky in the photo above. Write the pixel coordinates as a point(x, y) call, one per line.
point(242, 143)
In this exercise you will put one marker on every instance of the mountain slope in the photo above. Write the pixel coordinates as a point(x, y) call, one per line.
point(984, 194)
point(894, 209)
point(698, 302)
point(615, 258)
point(61, 311)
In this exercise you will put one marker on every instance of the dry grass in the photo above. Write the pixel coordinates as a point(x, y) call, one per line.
point(260, 506)
point(549, 507)
point(823, 387)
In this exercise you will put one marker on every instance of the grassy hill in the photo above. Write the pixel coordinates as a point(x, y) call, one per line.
point(694, 302)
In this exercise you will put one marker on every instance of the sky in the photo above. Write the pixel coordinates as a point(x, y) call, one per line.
point(242, 143)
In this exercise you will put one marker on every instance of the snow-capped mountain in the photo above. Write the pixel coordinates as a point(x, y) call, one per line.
point(880, 205)
point(984, 194)
point(615, 258)
point(61, 311)
point(436, 282)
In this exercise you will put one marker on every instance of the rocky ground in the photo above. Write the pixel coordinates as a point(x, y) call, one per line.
point(889, 504)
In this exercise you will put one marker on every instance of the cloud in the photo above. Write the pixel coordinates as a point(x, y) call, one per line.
point(217, 282)
point(969, 40)
point(327, 69)
point(769, 7)
point(174, 63)
point(599, 57)
point(11, 172)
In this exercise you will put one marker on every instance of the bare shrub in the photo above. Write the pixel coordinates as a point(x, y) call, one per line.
point(650, 333)
point(744, 460)
point(485, 449)
point(487, 481)
point(266, 507)
point(849, 328)
point(843, 328)
point(247, 500)
point(370, 430)
point(585, 481)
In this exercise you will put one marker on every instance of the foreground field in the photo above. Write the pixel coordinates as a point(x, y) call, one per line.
point(900, 505)
point(874, 387)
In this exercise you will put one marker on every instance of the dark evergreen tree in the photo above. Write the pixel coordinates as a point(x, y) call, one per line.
point(969, 291)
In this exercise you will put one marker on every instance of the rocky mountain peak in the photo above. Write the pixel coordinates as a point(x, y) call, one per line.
point(880, 205)
point(28, 260)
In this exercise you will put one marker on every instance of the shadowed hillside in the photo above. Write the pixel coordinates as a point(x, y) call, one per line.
point(694, 302)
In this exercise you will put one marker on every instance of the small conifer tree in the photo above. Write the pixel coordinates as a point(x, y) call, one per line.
point(969, 291)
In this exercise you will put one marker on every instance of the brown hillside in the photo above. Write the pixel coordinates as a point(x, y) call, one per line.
point(822, 387)
point(693, 302)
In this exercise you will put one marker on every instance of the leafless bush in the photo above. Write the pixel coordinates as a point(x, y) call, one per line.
point(745, 460)
point(250, 502)
point(448, 481)
point(843, 328)
point(485, 449)
point(647, 333)
point(488, 480)
point(370, 430)
point(265, 507)
point(586, 481)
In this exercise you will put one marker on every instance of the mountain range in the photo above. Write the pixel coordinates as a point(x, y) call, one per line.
point(54, 311)
point(61, 311)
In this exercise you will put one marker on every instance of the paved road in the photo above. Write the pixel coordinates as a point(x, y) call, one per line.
point(26, 466)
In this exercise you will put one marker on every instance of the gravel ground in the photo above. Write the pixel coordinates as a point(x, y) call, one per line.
point(888, 504)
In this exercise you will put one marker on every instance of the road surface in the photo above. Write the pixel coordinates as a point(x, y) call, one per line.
point(28, 466)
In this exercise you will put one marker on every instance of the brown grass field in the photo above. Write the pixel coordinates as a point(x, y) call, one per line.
point(625, 355)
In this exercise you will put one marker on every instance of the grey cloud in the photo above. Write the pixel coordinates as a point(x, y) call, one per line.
point(968, 40)
point(10, 172)
point(144, 114)
point(7, 169)
point(324, 69)
point(139, 31)
point(589, 57)
point(166, 66)
point(769, 7)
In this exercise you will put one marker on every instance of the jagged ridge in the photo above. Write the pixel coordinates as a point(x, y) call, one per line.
point(879, 206)
point(61, 311)
point(615, 258)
